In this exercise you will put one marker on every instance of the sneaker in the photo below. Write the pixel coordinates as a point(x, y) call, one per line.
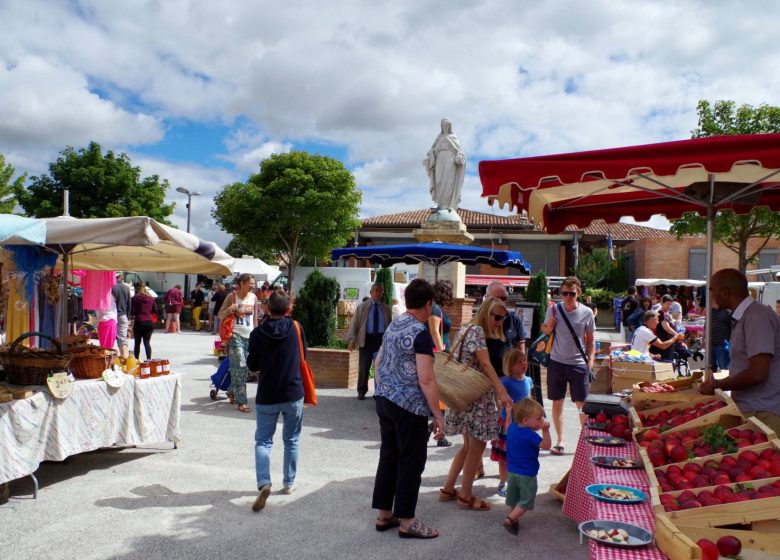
point(502, 489)
point(262, 496)
point(287, 489)
point(444, 442)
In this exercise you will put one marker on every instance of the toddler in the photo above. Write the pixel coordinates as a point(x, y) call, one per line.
point(519, 387)
point(522, 457)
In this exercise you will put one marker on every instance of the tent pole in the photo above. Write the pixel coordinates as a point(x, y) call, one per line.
point(436, 273)
point(64, 303)
point(708, 374)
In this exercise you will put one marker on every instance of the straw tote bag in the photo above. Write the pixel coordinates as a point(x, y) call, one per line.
point(459, 384)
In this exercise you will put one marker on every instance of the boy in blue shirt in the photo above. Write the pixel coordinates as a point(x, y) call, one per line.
point(522, 454)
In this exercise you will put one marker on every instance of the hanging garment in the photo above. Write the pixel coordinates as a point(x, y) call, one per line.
point(97, 285)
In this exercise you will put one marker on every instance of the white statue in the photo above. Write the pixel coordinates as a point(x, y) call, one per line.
point(446, 167)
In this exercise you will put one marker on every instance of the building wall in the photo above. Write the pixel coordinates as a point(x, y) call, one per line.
point(541, 255)
point(668, 258)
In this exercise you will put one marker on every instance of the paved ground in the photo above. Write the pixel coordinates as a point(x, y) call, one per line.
point(194, 502)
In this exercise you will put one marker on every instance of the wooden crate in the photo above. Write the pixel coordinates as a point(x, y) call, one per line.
point(761, 539)
point(723, 514)
point(626, 374)
point(728, 417)
point(691, 400)
point(687, 389)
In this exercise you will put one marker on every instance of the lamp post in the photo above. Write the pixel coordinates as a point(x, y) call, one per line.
point(189, 194)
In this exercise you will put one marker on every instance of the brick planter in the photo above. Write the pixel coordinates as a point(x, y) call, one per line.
point(333, 368)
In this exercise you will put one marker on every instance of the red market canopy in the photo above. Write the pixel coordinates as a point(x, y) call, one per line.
point(669, 178)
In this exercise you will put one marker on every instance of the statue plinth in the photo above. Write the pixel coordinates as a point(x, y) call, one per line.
point(443, 225)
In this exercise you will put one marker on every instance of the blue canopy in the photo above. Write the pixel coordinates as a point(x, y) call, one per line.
point(15, 228)
point(435, 254)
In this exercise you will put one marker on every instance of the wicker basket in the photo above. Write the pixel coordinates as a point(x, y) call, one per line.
point(91, 366)
point(27, 367)
point(459, 384)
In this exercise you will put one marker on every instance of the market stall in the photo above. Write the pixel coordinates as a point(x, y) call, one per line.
point(41, 427)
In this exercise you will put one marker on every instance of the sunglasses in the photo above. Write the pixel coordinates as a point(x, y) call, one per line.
point(498, 317)
point(568, 294)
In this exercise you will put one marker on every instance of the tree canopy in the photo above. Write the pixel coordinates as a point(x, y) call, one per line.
point(100, 185)
point(734, 231)
point(297, 205)
point(9, 186)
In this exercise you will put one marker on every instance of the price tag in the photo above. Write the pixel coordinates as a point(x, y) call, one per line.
point(61, 384)
point(113, 377)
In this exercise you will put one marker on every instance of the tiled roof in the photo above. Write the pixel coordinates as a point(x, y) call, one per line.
point(474, 219)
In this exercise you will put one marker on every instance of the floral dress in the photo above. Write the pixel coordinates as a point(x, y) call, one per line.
point(480, 419)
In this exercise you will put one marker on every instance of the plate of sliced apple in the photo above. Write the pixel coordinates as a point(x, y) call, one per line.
point(615, 533)
point(616, 494)
point(607, 441)
point(609, 462)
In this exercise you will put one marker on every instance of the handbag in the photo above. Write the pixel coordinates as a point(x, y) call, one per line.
point(307, 376)
point(591, 373)
point(459, 384)
point(226, 328)
point(539, 352)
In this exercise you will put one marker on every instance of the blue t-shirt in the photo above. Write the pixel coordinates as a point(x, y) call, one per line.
point(522, 450)
point(518, 389)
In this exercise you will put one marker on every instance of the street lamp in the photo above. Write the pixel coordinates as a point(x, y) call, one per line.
point(189, 194)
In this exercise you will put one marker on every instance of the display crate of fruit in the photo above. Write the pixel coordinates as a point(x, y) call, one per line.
point(726, 504)
point(662, 393)
point(695, 414)
point(626, 374)
point(760, 539)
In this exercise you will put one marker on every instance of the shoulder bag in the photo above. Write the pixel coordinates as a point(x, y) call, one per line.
point(307, 376)
point(459, 384)
point(591, 375)
point(541, 348)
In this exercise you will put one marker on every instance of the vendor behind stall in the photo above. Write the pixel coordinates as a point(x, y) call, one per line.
point(754, 373)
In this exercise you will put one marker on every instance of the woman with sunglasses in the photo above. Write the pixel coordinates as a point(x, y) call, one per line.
point(571, 357)
point(479, 422)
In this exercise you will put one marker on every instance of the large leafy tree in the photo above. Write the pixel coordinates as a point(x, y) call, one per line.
point(297, 205)
point(732, 230)
point(8, 186)
point(238, 247)
point(101, 185)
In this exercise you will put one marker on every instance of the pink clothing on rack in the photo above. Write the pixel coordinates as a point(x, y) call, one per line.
point(96, 285)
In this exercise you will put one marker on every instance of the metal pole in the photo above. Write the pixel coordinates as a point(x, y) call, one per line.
point(707, 312)
point(189, 213)
point(64, 303)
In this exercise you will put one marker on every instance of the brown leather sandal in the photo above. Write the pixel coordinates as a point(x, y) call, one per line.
point(418, 530)
point(244, 408)
point(473, 503)
point(447, 495)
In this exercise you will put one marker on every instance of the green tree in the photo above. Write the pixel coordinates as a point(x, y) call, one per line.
point(315, 308)
point(594, 268)
point(384, 276)
point(100, 185)
point(9, 186)
point(299, 204)
point(731, 230)
point(536, 292)
point(238, 247)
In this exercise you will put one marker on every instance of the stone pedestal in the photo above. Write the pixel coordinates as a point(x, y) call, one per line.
point(445, 226)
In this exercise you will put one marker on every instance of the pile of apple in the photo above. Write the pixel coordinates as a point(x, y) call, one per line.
point(728, 546)
point(746, 467)
point(667, 419)
point(617, 426)
point(665, 444)
point(720, 495)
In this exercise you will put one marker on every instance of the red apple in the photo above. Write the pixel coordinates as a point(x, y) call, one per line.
point(758, 438)
point(709, 549)
point(746, 434)
point(601, 417)
point(767, 454)
point(657, 457)
point(690, 504)
point(685, 496)
point(743, 478)
point(722, 478)
point(678, 454)
point(650, 435)
point(733, 432)
point(749, 456)
point(741, 442)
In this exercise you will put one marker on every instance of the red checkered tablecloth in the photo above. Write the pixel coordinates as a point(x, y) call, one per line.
point(581, 506)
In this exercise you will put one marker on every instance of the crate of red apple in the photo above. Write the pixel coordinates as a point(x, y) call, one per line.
point(617, 426)
point(652, 395)
point(758, 539)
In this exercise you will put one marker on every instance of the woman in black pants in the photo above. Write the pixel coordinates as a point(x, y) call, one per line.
point(141, 308)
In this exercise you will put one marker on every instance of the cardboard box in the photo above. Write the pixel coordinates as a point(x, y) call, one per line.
point(602, 385)
point(626, 374)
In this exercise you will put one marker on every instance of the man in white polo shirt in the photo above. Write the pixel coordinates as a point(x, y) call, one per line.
point(754, 372)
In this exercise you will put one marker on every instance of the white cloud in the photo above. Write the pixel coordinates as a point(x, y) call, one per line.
point(517, 78)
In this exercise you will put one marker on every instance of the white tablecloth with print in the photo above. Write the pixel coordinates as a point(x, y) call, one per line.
point(95, 415)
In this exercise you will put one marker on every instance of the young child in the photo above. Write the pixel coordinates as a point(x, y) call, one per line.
point(519, 387)
point(522, 455)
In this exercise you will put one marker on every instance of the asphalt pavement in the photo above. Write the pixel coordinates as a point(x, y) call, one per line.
point(195, 501)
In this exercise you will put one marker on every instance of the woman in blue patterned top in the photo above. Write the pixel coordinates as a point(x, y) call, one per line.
point(406, 393)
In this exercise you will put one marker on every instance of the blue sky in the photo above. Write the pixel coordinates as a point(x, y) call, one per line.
point(200, 92)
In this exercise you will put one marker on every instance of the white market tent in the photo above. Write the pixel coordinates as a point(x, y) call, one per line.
point(256, 267)
point(668, 282)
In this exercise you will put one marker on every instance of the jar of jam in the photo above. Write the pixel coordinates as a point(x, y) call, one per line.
point(155, 366)
point(165, 367)
point(145, 370)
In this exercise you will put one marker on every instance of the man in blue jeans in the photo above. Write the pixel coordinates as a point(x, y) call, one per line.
point(274, 353)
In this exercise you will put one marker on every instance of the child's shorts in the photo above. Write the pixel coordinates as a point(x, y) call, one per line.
point(521, 491)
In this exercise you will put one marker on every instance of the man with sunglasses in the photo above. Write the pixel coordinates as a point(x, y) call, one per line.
point(571, 357)
point(514, 333)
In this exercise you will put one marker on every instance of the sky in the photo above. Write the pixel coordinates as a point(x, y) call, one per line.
point(201, 92)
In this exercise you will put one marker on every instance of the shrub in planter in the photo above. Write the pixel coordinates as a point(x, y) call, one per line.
point(384, 276)
point(315, 309)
